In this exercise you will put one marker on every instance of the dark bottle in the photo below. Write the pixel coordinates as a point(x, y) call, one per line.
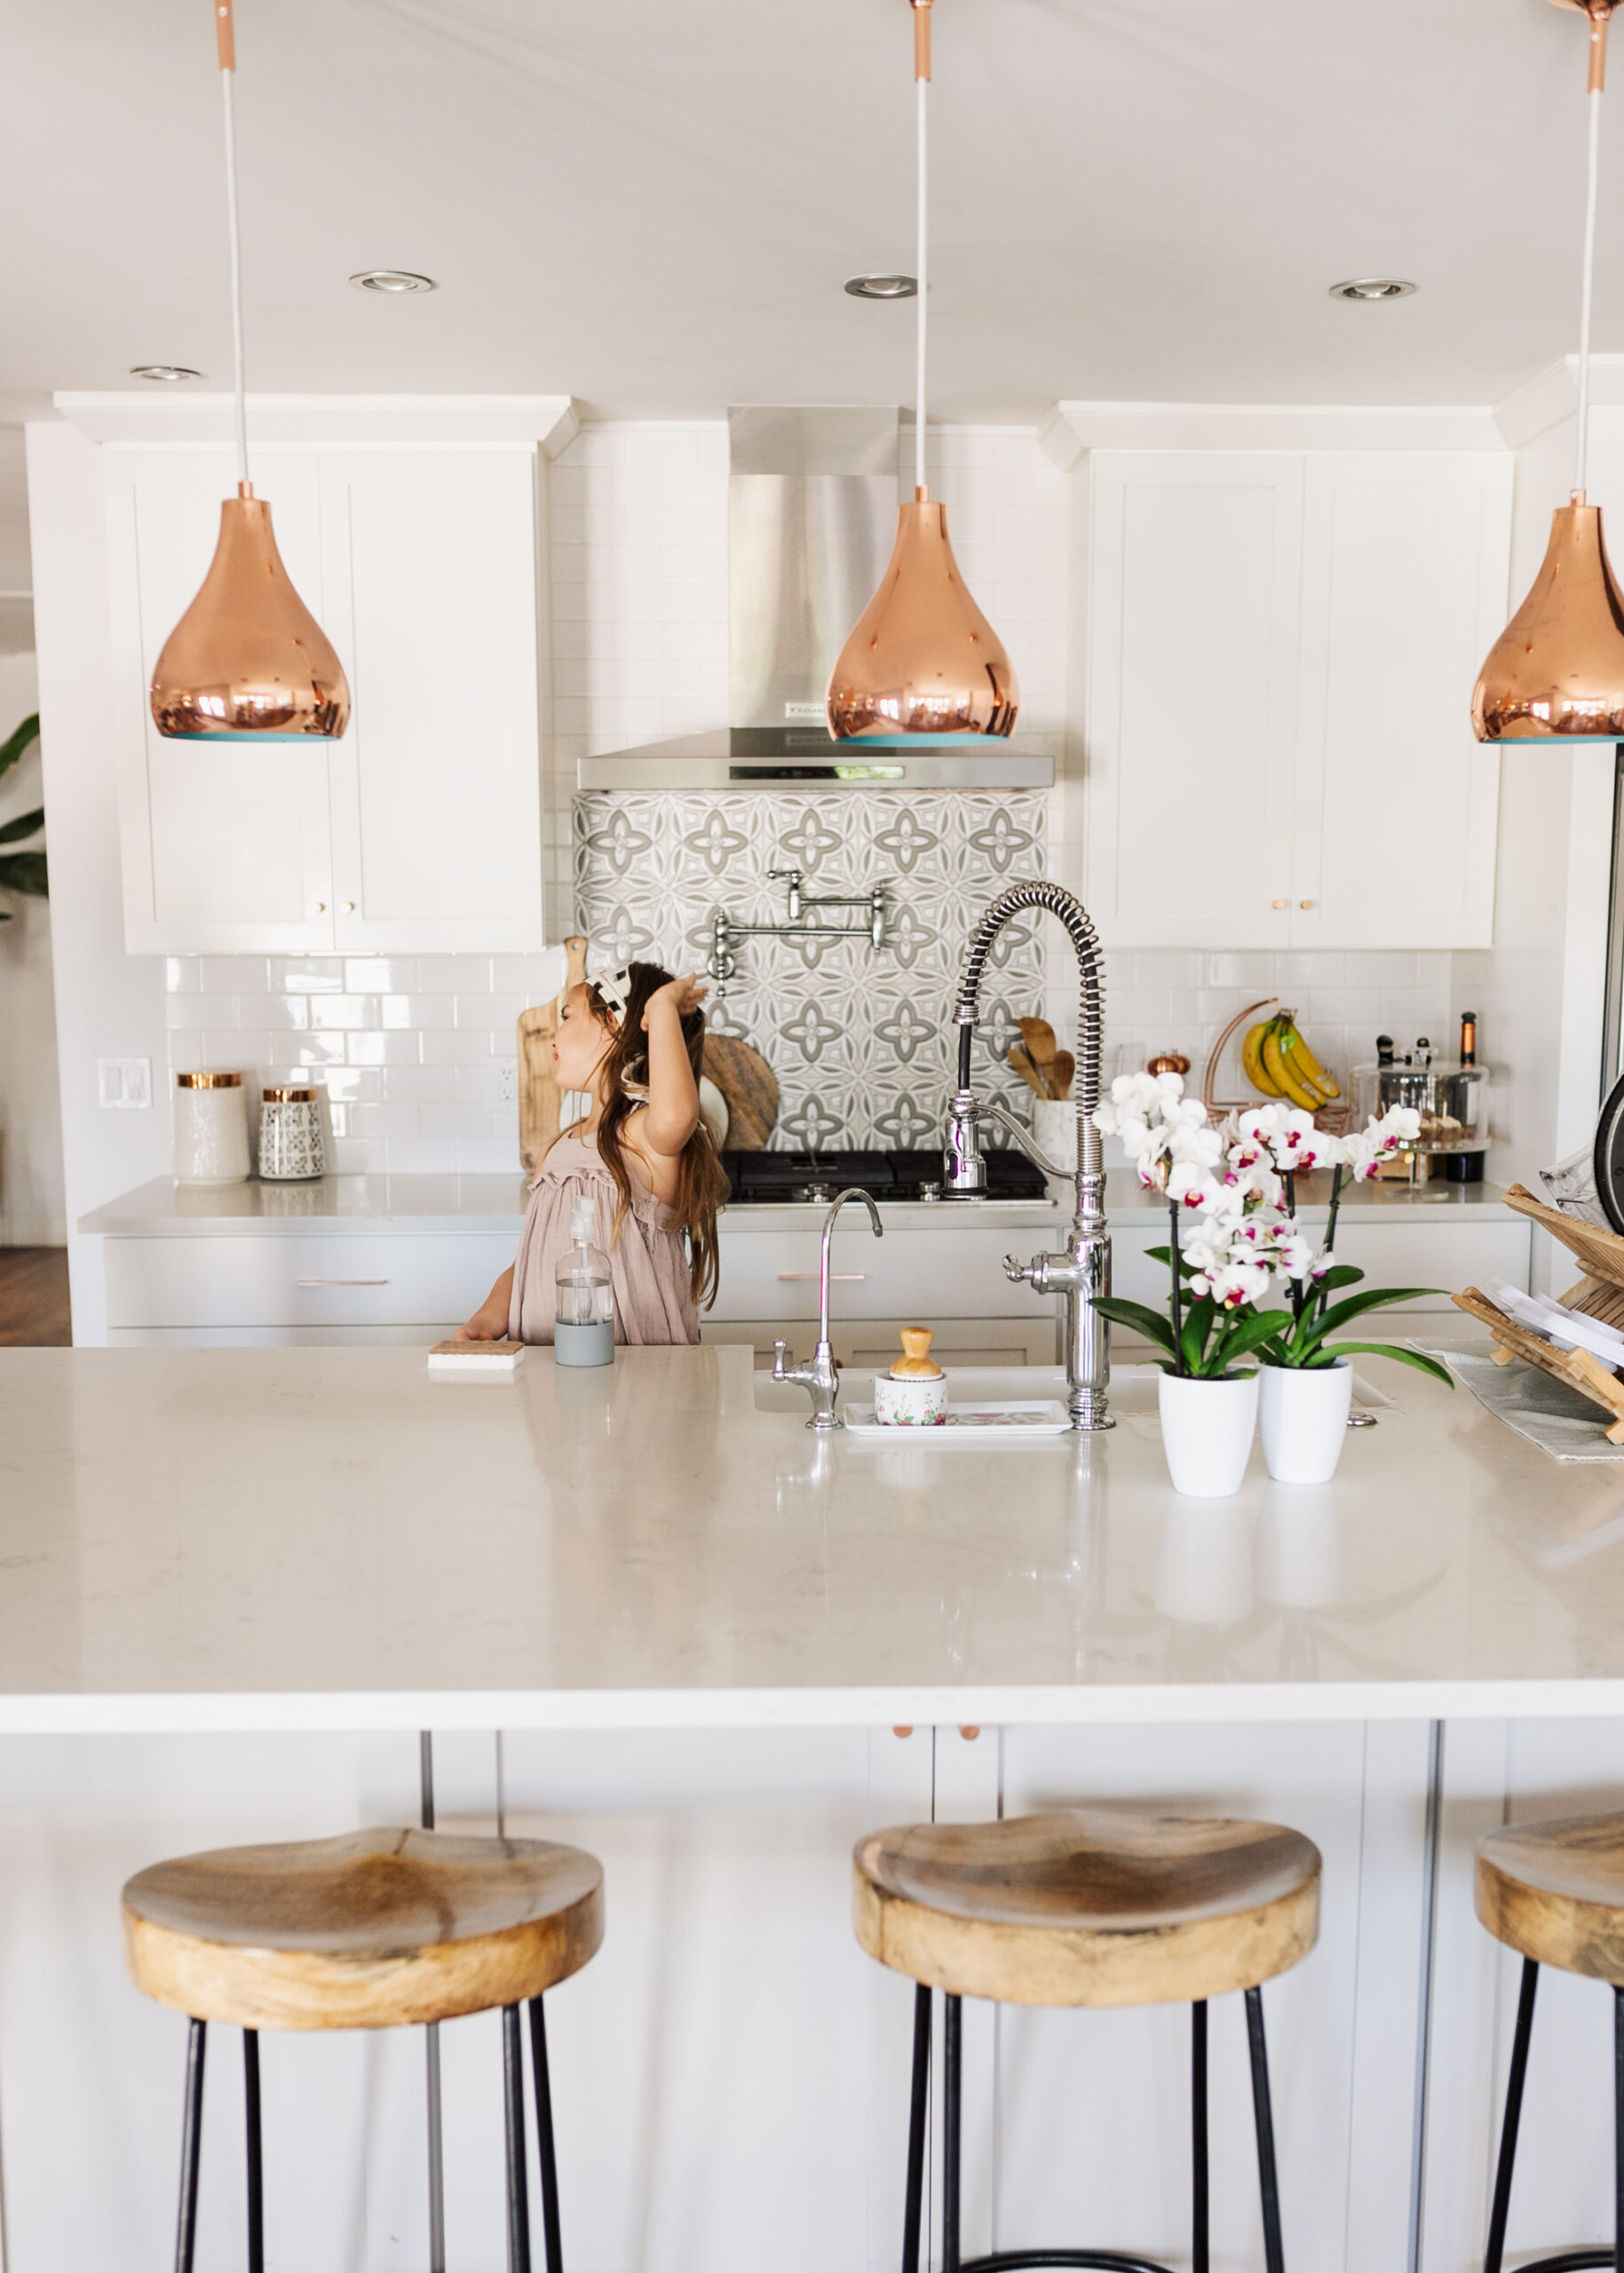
point(1469, 1037)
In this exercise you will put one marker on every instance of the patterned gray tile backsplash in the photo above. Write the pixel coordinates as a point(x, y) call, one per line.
point(859, 1038)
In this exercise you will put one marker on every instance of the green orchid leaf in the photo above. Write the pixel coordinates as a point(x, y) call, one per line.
point(13, 747)
point(1140, 1319)
point(25, 825)
point(1339, 1274)
point(1374, 1298)
point(1253, 1333)
point(24, 872)
point(1416, 1357)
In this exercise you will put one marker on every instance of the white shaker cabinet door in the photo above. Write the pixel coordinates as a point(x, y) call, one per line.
point(1404, 591)
point(225, 844)
point(436, 788)
point(1194, 572)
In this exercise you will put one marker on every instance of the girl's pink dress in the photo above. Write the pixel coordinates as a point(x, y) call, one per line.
point(647, 1264)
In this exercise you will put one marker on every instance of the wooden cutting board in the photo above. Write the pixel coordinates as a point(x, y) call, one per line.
point(746, 1081)
point(540, 1097)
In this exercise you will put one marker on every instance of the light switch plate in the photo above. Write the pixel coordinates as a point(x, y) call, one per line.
point(124, 1084)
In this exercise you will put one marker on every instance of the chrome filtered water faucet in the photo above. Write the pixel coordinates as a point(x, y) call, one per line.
point(818, 1377)
point(1082, 1271)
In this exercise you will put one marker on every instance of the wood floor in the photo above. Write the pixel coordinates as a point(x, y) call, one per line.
point(34, 1310)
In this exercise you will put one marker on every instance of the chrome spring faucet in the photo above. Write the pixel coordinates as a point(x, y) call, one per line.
point(1081, 1272)
point(818, 1377)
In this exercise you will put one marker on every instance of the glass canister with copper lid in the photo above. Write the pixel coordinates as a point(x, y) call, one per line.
point(290, 1149)
point(211, 1128)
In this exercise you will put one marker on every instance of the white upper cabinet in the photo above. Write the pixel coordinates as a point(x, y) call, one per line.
point(1281, 651)
point(420, 829)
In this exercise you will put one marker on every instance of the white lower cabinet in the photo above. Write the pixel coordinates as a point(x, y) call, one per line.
point(258, 1288)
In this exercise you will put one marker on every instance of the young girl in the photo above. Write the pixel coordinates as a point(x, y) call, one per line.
point(632, 1040)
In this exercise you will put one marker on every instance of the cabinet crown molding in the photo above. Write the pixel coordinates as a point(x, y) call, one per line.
point(545, 422)
point(1072, 428)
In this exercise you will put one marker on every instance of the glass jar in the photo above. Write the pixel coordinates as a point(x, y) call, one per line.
point(211, 1128)
point(1449, 1097)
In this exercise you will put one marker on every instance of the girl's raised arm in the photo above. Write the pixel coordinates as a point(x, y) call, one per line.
point(672, 1113)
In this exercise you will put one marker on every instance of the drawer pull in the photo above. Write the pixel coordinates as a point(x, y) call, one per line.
point(340, 1282)
point(845, 1276)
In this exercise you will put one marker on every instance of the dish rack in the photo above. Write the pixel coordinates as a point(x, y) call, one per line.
point(1599, 1294)
point(1334, 1120)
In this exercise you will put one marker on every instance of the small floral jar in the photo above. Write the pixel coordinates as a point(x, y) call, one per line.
point(211, 1128)
point(290, 1136)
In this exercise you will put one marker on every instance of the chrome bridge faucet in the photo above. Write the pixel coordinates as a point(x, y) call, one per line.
point(1081, 1272)
point(818, 1377)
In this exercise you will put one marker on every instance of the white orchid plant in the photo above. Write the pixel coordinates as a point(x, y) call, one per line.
point(1230, 1189)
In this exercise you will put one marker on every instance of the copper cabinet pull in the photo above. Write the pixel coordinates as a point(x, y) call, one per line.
point(846, 1277)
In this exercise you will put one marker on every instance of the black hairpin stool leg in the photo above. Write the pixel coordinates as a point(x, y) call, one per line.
point(1513, 2116)
point(1199, 2222)
point(1274, 2257)
point(913, 2216)
point(514, 2095)
point(190, 2147)
point(552, 2238)
point(952, 2046)
point(255, 2159)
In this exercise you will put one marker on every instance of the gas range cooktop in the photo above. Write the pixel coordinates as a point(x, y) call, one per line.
point(774, 1179)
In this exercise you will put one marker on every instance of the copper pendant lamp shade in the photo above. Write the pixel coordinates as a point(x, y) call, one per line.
point(922, 658)
point(247, 661)
point(248, 657)
point(1556, 671)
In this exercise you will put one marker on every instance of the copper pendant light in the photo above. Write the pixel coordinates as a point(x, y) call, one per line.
point(922, 658)
point(1556, 671)
point(247, 661)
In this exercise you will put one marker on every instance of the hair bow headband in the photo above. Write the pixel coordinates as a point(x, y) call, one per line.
point(614, 988)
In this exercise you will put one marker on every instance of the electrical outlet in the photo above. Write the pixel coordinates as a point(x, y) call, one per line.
point(124, 1084)
point(507, 1080)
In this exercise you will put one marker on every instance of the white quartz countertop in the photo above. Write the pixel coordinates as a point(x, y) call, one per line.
point(345, 1205)
point(300, 1538)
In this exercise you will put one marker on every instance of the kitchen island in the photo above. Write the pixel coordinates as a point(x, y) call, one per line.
point(644, 1609)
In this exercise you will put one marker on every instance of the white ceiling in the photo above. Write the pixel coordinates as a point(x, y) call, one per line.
point(650, 204)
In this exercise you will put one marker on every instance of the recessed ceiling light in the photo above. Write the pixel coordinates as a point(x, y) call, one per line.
point(168, 372)
point(393, 280)
point(1372, 288)
point(882, 288)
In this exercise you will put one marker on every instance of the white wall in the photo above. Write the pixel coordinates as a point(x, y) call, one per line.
point(108, 1004)
point(31, 1205)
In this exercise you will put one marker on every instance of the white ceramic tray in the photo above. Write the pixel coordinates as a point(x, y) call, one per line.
point(1019, 1419)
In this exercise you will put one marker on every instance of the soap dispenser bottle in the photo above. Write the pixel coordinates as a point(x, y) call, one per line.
point(583, 1322)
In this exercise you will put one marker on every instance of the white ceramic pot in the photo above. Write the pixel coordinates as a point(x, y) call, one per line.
point(917, 1401)
point(1303, 1413)
point(1207, 1433)
point(1054, 1124)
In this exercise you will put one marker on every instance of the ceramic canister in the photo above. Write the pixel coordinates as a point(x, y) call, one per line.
point(913, 1394)
point(211, 1128)
point(290, 1136)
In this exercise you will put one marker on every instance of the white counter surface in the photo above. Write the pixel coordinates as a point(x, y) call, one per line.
point(329, 1538)
point(345, 1205)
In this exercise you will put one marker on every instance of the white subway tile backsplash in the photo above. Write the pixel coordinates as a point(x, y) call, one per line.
point(275, 1013)
point(306, 975)
point(353, 1084)
point(329, 1012)
point(453, 974)
point(454, 1121)
point(206, 1010)
point(421, 1084)
point(323, 1049)
point(418, 1011)
point(419, 1156)
point(357, 1156)
point(495, 1155)
point(234, 974)
point(182, 975)
point(454, 1046)
point(378, 1049)
point(380, 975)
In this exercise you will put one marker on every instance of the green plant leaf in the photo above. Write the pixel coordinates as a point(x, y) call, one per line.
point(1416, 1357)
point(1253, 1333)
point(24, 872)
point(1198, 1329)
point(1342, 1314)
point(15, 744)
point(1139, 1318)
point(1339, 1274)
point(25, 825)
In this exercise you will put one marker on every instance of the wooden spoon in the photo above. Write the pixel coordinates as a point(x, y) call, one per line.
point(1027, 1071)
point(1062, 1071)
point(1039, 1037)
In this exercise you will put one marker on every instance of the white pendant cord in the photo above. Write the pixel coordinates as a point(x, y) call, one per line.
point(227, 78)
point(921, 88)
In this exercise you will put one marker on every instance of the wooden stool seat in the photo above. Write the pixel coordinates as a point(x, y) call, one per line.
point(1556, 1892)
point(371, 1930)
point(1095, 1906)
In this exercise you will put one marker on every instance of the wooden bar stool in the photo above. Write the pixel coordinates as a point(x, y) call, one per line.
point(1554, 1893)
point(376, 1929)
point(1096, 1907)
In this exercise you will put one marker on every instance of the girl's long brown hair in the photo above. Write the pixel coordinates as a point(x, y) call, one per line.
point(702, 1187)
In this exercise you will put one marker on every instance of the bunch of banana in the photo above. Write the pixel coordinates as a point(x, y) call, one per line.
point(1281, 1064)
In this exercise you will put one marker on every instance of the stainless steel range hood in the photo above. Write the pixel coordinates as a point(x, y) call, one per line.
point(811, 514)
